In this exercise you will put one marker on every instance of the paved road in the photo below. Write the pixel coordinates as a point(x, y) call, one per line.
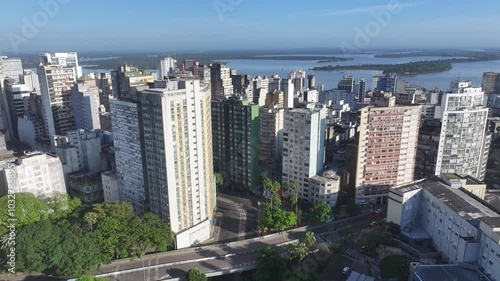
point(164, 266)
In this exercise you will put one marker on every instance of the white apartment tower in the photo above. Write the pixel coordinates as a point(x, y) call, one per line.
point(388, 139)
point(85, 101)
point(464, 141)
point(57, 73)
point(178, 158)
point(167, 67)
point(128, 153)
point(304, 146)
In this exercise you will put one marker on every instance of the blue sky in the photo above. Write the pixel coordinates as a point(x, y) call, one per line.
point(155, 25)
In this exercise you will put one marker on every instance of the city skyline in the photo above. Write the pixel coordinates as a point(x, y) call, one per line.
point(73, 25)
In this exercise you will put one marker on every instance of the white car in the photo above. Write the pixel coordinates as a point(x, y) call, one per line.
point(346, 270)
point(373, 223)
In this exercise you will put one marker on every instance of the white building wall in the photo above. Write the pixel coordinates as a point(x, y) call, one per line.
point(40, 174)
point(110, 186)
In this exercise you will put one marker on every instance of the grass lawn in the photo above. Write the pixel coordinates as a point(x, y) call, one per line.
point(395, 266)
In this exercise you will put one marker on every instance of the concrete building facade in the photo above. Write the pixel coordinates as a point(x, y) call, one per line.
point(387, 150)
point(304, 147)
point(235, 132)
point(179, 178)
point(464, 141)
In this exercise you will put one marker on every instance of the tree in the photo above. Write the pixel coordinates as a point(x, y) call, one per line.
point(297, 252)
point(272, 188)
point(25, 208)
point(320, 211)
point(219, 179)
point(59, 205)
point(283, 219)
point(294, 198)
point(195, 274)
point(310, 240)
point(91, 278)
point(118, 210)
point(90, 219)
point(266, 221)
point(270, 265)
point(393, 228)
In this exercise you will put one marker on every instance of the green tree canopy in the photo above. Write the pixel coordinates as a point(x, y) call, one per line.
point(320, 211)
point(26, 208)
point(270, 265)
point(194, 274)
point(219, 178)
point(60, 205)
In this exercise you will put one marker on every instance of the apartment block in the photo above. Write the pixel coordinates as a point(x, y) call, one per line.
point(178, 171)
point(387, 150)
point(235, 133)
point(464, 141)
point(304, 147)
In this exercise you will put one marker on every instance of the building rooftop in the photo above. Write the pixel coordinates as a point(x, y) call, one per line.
point(444, 272)
point(494, 222)
point(356, 276)
point(464, 205)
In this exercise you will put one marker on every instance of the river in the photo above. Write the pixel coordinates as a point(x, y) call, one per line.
point(466, 70)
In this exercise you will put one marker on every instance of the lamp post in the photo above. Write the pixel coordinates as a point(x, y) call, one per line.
point(258, 216)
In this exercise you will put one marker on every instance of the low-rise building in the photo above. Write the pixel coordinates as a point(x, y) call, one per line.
point(450, 214)
point(37, 173)
point(86, 186)
point(110, 186)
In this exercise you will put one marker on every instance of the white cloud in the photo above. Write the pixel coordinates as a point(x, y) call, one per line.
point(366, 9)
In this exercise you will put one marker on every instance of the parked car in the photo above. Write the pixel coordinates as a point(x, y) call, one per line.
point(373, 223)
point(346, 271)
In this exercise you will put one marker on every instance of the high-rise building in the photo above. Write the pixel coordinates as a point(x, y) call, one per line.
point(104, 84)
point(464, 142)
point(221, 83)
point(361, 90)
point(17, 97)
point(271, 133)
point(10, 68)
point(304, 147)
point(346, 84)
point(491, 83)
point(167, 67)
point(85, 101)
point(274, 98)
point(288, 89)
point(178, 169)
point(30, 79)
point(240, 82)
point(57, 73)
point(298, 78)
point(37, 173)
point(375, 79)
point(66, 59)
point(427, 149)
point(80, 150)
point(387, 150)
point(128, 80)
point(128, 153)
point(388, 82)
point(235, 133)
point(311, 81)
